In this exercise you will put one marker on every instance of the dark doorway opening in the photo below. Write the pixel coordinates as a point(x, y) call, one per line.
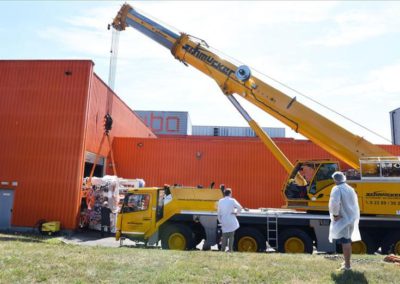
point(98, 170)
point(90, 159)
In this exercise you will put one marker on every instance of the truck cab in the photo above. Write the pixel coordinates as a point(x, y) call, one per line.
point(178, 216)
point(140, 210)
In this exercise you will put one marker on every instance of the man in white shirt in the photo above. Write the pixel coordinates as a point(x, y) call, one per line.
point(228, 207)
point(345, 214)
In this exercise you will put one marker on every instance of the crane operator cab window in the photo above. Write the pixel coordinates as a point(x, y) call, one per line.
point(323, 177)
point(309, 178)
point(299, 181)
point(380, 168)
point(160, 204)
point(136, 202)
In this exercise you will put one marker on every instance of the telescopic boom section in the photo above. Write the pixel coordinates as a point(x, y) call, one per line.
point(238, 79)
point(127, 16)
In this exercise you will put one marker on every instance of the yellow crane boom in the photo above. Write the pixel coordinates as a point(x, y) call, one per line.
point(234, 79)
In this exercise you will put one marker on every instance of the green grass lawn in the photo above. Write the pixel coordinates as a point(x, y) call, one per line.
point(26, 259)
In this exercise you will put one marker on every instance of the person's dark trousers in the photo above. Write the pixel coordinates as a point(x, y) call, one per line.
point(105, 220)
point(103, 229)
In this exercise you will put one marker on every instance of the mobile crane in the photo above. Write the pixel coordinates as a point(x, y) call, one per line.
point(378, 186)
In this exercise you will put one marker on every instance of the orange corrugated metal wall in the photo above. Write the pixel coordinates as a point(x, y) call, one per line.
point(42, 113)
point(125, 122)
point(241, 163)
point(51, 113)
point(47, 123)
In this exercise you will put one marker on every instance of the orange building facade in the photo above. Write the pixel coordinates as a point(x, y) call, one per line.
point(52, 114)
point(51, 117)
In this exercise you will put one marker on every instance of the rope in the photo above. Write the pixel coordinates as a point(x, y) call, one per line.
point(112, 156)
point(113, 58)
point(353, 260)
point(95, 159)
point(393, 259)
point(108, 122)
point(388, 258)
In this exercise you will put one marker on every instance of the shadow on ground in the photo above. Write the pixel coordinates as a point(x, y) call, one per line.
point(85, 238)
point(93, 238)
point(349, 277)
point(16, 239)
point(28, 238)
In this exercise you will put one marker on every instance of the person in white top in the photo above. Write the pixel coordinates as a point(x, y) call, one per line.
point(345, 215)
point(228, 207)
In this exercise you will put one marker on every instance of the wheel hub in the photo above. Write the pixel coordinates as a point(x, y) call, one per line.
point(359, 247)
point(247, 244)
point(294, 245)
point(177, 241)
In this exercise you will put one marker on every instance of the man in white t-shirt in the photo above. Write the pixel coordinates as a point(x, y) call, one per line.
point(228, 207)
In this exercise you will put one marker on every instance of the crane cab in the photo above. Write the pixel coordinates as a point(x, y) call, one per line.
point(376, 185)
point(312, 191)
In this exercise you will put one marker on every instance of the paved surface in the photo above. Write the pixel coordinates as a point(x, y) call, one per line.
point(93, 238)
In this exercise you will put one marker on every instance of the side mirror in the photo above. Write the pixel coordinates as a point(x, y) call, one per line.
point(320, 196)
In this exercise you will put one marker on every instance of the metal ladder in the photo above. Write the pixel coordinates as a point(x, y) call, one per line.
point(272, 231)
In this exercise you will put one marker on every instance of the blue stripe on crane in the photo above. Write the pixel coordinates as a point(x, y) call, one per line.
point(155, 36)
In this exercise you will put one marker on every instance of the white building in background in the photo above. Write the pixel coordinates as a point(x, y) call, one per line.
point(273, 132)
point(395, 126)
point(179, 123)
point(167, 122)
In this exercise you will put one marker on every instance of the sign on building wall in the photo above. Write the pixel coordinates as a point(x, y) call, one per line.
point(167, 122)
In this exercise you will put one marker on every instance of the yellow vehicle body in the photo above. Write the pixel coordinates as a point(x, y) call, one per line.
point(374, 198)
point(50, 228)
point(142, 224)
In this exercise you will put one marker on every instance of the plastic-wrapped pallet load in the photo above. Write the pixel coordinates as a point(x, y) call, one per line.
point(100, 191)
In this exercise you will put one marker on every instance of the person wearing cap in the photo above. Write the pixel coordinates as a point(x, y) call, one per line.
point(345, 215)
point(228, 207)
point(167, 194)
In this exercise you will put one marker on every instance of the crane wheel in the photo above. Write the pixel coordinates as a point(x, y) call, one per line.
point(367, 245)
point(249, 240)
point(359, 247)
point(177, 237)
point(391, 244)
point(295, 241)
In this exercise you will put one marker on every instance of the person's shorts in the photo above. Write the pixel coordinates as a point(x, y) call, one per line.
point(343, 241)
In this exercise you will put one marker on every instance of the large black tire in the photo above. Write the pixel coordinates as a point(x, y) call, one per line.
point(295, 241)
point(391, 243)
point(177, 237)
point(199, 236)
point(249, 240)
